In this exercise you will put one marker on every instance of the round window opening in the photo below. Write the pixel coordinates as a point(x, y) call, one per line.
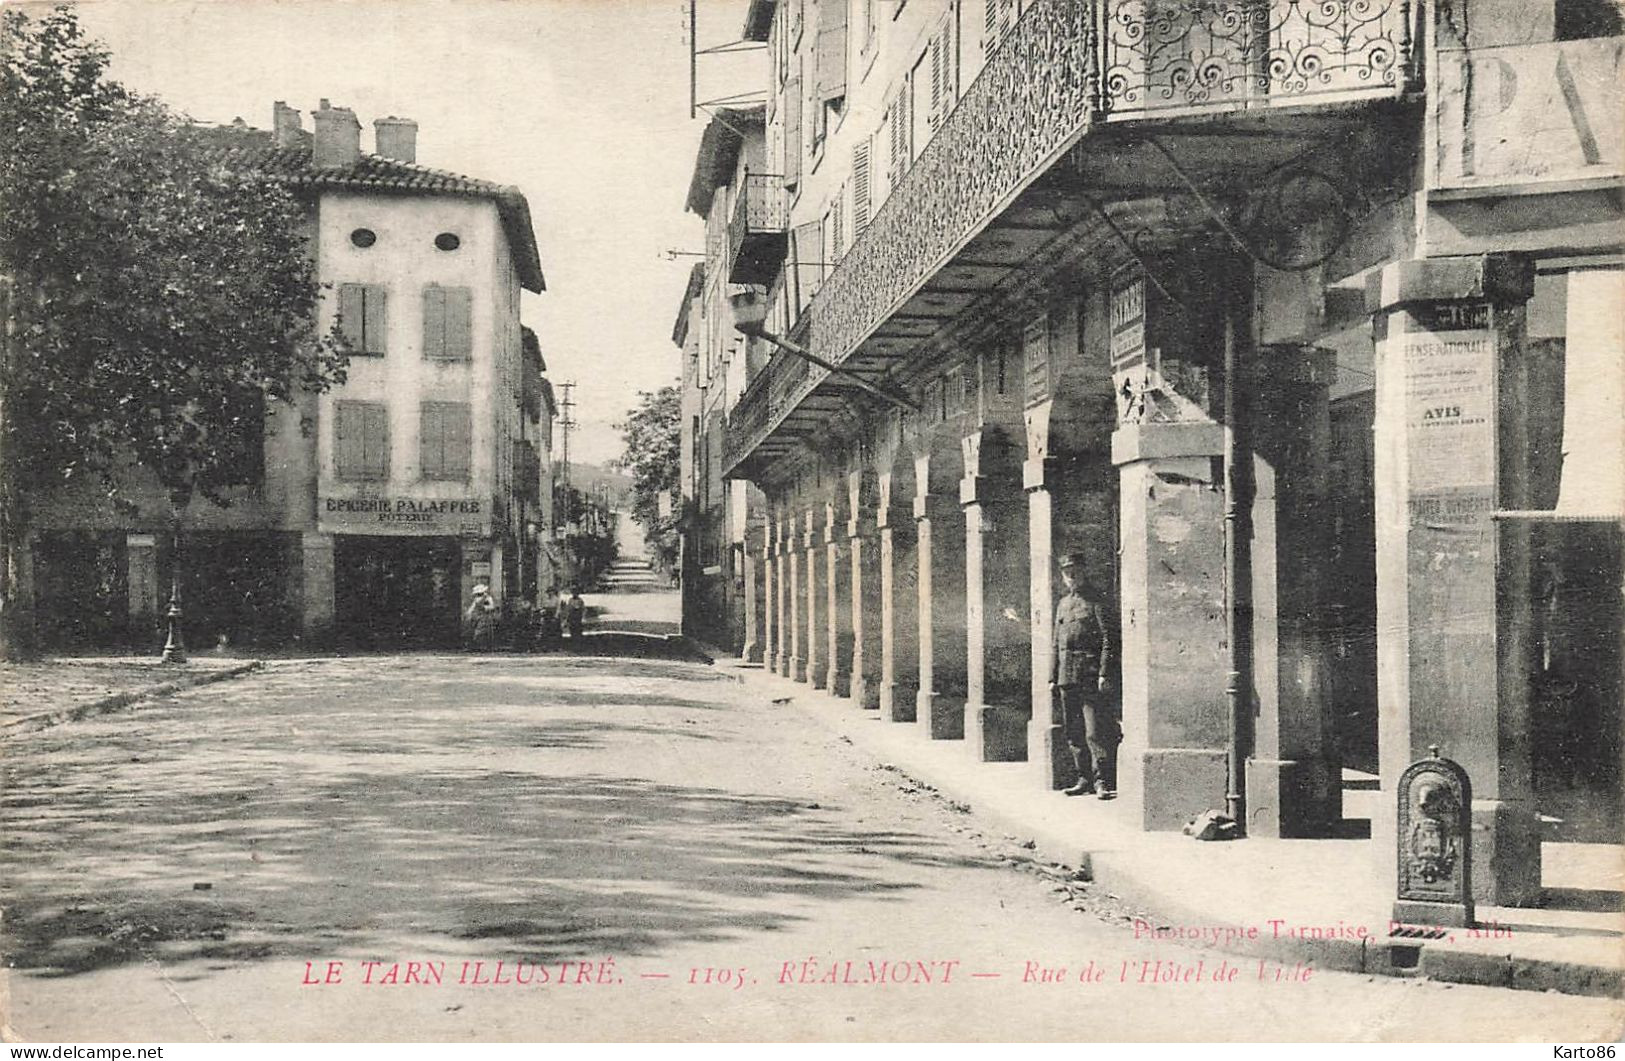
point(447, 241)
point(363, 237)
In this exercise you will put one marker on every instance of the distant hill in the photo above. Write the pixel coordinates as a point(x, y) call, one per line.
point(591, 478)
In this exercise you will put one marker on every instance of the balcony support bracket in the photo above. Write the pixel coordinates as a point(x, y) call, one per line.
point(885, 395)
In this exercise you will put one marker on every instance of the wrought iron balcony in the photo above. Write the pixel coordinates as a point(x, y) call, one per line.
point(1166, 55)
point(758, 229)
point(1065, 67)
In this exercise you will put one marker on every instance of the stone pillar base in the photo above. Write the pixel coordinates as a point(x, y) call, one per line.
point(1173, 785)
point(996, 734)
point(897, 702)
point(1289, 799)
point(865, 693)
point(1506, 853)
point(840, 684)
point(771, 662)
point(1049, 752)
point(942, 716)
point(751, 653)
point(816, 675)
point(797, 670)
point(316, 625)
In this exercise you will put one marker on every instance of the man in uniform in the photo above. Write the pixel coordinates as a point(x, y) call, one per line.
point(1080, 673)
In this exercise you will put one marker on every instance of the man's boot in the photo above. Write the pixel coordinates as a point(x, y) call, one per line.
point(1107, 788)
point(1086, 781)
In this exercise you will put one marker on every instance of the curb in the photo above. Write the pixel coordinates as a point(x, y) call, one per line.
point(1371, 956)
point(107, 704)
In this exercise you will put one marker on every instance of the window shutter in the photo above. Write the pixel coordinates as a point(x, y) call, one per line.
point(431, 443)
point(459, 344)
point(809, 255)
point(346, 440)
point(936, 75)
point(376, 316)
point(839, 210)
point(860, 186)
point(376, 440)
point(944, 72)
point(831, 49)
point(434, 322)
point(999, 20)
point(901, 148)
point(792, 131)
point(458, 432)
point(352, 316)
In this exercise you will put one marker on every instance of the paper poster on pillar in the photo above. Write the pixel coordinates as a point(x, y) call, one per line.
point(1450, 398)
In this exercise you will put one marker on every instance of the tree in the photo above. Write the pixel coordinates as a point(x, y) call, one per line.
point(653, 434)
point(158, 299)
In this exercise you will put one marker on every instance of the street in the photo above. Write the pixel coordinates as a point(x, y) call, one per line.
point(498, 848)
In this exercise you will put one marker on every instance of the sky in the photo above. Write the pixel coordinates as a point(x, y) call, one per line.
point(583, 104)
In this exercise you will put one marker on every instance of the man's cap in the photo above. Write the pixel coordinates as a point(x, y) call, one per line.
point(1072, 560)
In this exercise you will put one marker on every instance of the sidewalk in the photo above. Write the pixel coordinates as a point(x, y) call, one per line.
point(58, 688)
point(1314, 901)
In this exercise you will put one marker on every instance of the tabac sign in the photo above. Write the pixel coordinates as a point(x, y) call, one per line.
point(1530, 113)
point(402, 515)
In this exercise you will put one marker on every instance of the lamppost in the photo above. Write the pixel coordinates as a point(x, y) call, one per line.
point(175, 641)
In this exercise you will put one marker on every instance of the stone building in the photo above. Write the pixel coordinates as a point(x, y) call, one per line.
point(1299, 321)
point(717, 361)
point(379, 503)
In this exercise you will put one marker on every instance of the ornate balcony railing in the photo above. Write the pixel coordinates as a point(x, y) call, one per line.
point(1168, 54)
point(1065, 65)
point(758, 229)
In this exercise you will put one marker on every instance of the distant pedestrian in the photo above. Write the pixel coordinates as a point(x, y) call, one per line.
point(577, 611)
point(480, 620)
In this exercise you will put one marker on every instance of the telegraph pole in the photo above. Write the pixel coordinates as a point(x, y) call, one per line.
point(566, 422)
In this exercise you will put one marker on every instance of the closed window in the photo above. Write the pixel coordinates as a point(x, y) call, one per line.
point(363, 318)
point(361, 440)
point(445, 440)
point(448, 323)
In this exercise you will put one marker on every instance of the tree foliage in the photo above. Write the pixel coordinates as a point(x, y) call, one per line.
point(156, 299)
point(652, 434)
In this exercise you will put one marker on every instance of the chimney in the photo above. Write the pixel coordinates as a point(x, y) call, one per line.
point(396, 138)
point(286, 124)
point(338, 137)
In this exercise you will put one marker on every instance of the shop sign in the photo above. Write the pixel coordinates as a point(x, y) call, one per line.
point(1127, 326)
point(402, 515)
point(1530, 112)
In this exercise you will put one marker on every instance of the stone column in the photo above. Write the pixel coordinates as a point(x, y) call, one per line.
point(816, 639)
point(839, 602)
point(1172, 762)
point(863, 547)
point(940, 702)
point(795, 613)
point(899, 607)
point(751, 650)
point(316, 582)
point(998, 684)
point(1450, 351)
point(770, 627)
point(1294, 775)
point(1046, 740)
point(146, 595)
